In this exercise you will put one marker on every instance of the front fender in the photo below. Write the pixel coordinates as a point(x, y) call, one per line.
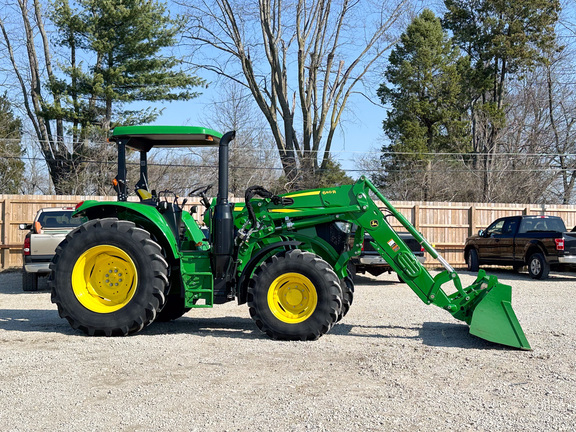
point(255, 260)
point(143, 215)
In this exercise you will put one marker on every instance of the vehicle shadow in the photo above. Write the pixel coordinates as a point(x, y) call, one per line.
point(48, 321)
point(11, 283)
point(436, 334)
point(34, 320)
point(454, 335)
point(431, 333)
point(372, 281)
point(358, 330)
point(226, 327)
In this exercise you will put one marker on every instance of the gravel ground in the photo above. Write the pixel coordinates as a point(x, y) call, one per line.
point(392, 364)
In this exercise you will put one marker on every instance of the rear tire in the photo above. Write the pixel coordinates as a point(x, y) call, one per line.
point(29, 281)
point(472, 261)
point(538, 267)
point(295, 295)
point(108, 278)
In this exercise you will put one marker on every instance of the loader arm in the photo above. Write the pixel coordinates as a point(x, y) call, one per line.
point(485, 305)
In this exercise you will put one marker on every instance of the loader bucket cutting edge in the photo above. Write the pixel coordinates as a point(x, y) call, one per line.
point(494, 320)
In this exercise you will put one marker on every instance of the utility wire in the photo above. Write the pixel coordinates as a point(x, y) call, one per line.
point(398, 153)
point(261, 168)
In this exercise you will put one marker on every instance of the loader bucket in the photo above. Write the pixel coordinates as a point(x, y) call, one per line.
point(494, 319)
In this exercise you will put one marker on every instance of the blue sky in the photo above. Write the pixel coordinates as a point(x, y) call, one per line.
point(360, 131)
point(360, 128)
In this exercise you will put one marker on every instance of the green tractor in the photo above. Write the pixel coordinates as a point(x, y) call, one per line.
point(285, 256)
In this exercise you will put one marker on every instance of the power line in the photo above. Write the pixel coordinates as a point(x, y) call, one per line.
point(391, 152)
point(358, 170)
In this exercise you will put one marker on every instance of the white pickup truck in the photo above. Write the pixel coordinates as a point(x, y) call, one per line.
point(50, 227)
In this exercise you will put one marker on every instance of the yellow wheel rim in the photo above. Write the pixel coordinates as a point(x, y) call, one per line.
point(104, 279)
point(292, 298)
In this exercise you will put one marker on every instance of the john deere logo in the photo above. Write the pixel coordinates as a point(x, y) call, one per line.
point(374, 224)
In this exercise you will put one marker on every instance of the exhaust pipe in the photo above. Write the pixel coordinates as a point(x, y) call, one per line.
point(223, 220)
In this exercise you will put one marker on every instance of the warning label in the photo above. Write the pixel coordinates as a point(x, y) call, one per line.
point(393, 245)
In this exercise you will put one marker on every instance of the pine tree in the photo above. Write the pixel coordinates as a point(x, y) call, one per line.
point(428, 113)
point(11, 166)
point(502, 38)
point(128, 40)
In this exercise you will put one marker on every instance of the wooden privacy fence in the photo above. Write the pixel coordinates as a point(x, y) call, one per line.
point(445, 225)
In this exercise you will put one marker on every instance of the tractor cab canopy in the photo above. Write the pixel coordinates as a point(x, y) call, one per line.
point(144, 138)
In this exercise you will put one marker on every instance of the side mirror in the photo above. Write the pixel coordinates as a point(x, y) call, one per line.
point(481, 233)
point(24, 226)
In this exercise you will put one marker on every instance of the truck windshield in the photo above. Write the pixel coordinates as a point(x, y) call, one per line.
point(59, 219)
point(542, 224)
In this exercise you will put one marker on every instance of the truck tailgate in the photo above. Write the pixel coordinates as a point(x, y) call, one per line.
point(46, 243)
point(569, 243)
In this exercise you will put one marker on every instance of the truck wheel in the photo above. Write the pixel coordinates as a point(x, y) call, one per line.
point(472, 261)
point(538, 267)
point(295, 296)
point(108, 278)
point(29, 281)
point(347, 286)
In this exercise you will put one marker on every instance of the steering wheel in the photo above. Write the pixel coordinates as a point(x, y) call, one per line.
point(167, 192)
point(202, 191)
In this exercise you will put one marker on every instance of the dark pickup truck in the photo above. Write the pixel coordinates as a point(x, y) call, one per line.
point(540, 242)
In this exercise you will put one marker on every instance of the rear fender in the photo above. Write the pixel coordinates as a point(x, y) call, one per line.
point(534, 247)
point(467, 251)
point(144, 216)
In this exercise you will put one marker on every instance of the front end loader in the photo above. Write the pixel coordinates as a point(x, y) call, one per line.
point(285, 256)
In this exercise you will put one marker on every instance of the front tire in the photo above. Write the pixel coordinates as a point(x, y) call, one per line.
point(295, 295)
point(173, 309)
point(347, 286)
point(108, 278)
point(472, 261)
point(538, 267)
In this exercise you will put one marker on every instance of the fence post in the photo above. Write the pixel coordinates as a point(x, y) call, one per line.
point(2, 236)
point(472, 222)
point(543, 209)
point(5, 233)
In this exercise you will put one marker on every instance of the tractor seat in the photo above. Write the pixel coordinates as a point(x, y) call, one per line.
point(146, 197)
point(143, 194)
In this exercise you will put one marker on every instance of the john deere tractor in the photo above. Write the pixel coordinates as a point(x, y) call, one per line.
point(285, 255)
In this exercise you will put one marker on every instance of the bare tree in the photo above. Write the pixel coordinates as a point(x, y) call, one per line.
point(301, 61)
point(30, 77)
point(561, 104)
point(253, 158)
